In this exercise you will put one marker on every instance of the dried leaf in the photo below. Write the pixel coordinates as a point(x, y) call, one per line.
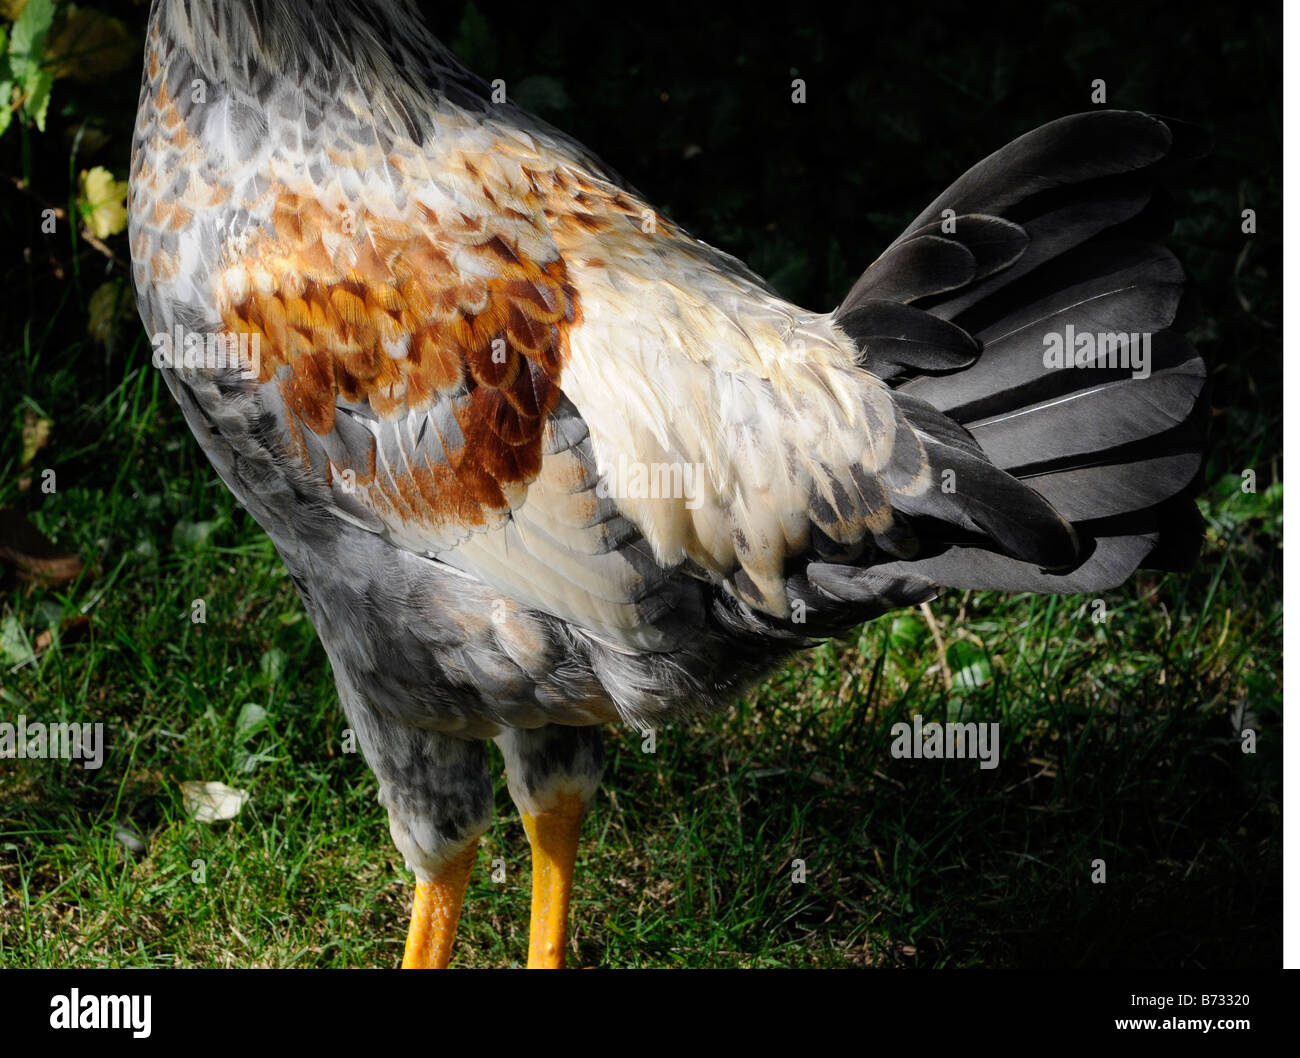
point(70, 631)
point(36, 558)
point(102, 312)
point(208, 802)
point(88, 45)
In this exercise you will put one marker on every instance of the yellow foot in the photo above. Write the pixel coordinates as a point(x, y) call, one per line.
point(436, 912)
point(553, 836)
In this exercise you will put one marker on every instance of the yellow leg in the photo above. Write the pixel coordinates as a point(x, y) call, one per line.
point(553, 836)
point(435, 913)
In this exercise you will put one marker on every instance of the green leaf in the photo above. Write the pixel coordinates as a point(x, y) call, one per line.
point(6, 112)
point(27, 45)
point(970, 666)
point(15, 648)
point(906, 633)
point(190, 536)
point(251, 720)
point(37, 101)
point(272, 665)
point(27, 61)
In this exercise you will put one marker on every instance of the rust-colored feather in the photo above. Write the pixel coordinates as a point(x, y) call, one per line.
point(384, 319)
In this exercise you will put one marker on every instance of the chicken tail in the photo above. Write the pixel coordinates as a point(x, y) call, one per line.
point(1032, 309)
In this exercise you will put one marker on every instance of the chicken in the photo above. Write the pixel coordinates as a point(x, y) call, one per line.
point(538, 460)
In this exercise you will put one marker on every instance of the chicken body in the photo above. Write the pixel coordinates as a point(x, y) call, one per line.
point(535, 458)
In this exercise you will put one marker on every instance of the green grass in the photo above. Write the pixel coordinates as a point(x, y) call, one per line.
point(1119, 742)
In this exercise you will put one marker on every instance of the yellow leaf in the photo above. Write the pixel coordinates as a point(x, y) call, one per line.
point(11, 9)
point(103, 202)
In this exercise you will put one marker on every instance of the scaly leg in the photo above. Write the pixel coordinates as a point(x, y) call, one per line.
point(435, 913)
point(553, 773)
point(553, 835)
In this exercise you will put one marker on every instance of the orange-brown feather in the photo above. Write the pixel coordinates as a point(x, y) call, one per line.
point(369, 309)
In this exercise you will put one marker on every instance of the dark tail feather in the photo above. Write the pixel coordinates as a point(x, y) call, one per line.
point(1042, 240)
